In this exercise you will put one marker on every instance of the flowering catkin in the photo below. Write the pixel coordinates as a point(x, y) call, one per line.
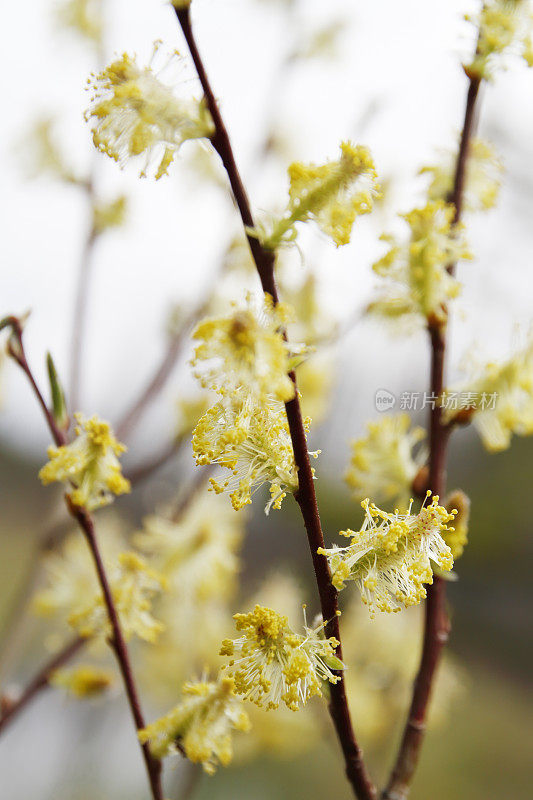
point(246, 348)
point(390, 557)
point(201, 725)
point(505, 28)
point(502, 399)
point(331, 194)
point(134, 113)
point(417, 283)
point(483, 173)
point(383, 464)
point(88, 466)
point(272, 664)
point(252, 441)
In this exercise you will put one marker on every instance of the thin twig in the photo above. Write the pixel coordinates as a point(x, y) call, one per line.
point(190, 779)
point(116, 639)
point(152, 388)
point(118, 645)
point(39, 682)
point(162, 373)
point(145, 469)
point(305, 496)
point(81, 304)
point(54, 536)
point(12, 631)
point(184, 503)
point(437, 625)
point(457, 195)
point(15, 349)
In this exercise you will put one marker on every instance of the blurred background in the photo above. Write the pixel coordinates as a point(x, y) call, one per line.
point(293, 79)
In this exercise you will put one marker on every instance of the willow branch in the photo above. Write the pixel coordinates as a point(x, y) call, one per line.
point(457, 194)
point(161, 374)
point(145, 469)
point(79, 321)
point(163, 371)
point(50, 540)
point(15, 349)
point(190, 780)
point(41, 681)
point(305, 496)
point(12, 630)
point(437, 625)
point(116, 639)
point(184, 503)
point(118, 645)
point(81, 302)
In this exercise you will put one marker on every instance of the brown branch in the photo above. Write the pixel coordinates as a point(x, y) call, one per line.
point(118, 645)
point(55, 534)
point(145, 469)
point(79, 321)
point(12, 630)
point(161, 374)
point(15, 349)
point(306, 497)
point(457, 194)
point(39, 682)
point(81, 302)
point(437, 625)
point(184, 503)
point(116, 640)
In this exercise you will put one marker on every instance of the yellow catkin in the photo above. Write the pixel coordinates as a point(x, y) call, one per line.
point(332, 195)
point(89, 465)
point(272, 664)
point(201, 725)
point(417, 285)
point(390, 557)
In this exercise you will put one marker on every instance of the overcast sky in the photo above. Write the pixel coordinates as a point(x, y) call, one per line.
point(397, 86)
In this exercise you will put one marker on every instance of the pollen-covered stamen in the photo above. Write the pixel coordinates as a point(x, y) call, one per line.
point(419, 286)
point(201, 726)
point(457, 537)
point(272, 664)
point(331, 194)
point(89, 464)
point(390, 557)
point(384, 464)
point(251, 440)
point(247, 348)
point(505, 28)
point(134, 113)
